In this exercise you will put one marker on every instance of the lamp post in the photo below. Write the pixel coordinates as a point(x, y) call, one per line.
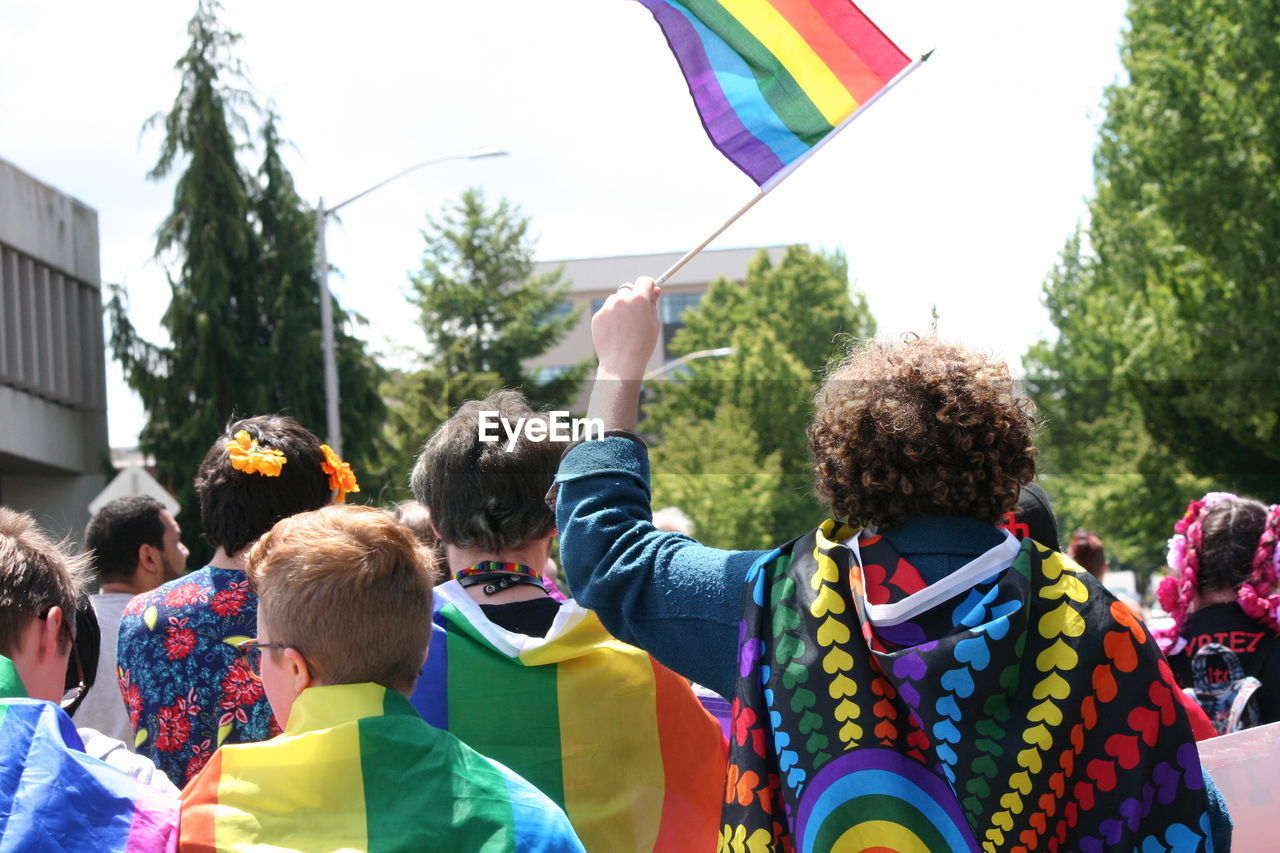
point(333, 427)
point(718, 352)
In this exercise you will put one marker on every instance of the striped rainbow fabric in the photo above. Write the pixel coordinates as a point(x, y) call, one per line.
point(612, 736)
point(357, 769)
point(54, 797)
point(772, 78)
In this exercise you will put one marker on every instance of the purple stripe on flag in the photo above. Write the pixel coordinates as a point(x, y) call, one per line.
point(722, 124)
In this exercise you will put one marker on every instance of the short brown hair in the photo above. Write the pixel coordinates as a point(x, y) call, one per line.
point(35, 575)
point(350, 588)
point(479, 493)
point(1087, 550)
point(919, 427)
point(235, 507)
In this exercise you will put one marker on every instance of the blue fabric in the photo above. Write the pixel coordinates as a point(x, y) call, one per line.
point(182, 679)
point(54, 797)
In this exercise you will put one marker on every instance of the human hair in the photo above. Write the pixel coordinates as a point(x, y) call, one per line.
point(236, 507)
point(118, 530)
point(919, 427)
point(1229, 537)
point(350, 588)
point(1222, 542)
point(479, 493)
point(417, 518)
point(35, 575)
point(1086, 549)
point(673, 519)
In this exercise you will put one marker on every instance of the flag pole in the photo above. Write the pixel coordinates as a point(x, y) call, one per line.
point(769, 185)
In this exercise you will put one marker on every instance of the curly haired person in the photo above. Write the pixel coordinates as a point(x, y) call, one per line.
point(186, 690)
point(907, 675)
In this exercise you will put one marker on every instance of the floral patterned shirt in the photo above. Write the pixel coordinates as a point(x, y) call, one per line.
point(186, 688)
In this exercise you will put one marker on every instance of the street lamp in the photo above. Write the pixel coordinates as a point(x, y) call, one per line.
point(718, 352)
point(332, 426)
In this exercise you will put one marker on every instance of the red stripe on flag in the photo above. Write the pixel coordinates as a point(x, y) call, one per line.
point(873, 47)
point(694, 758)
point(834, 51)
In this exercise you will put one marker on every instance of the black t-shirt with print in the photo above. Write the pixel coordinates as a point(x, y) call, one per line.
point(1228, 625)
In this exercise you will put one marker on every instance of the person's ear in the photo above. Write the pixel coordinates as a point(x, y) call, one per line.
point(297, 668)
point(50, 634)
point(149, 559)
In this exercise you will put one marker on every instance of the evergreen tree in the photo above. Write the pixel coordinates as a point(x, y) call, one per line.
point(483, 315)
point(244, 316)
point(763, 393)
point(214, 365)
point(288, 233)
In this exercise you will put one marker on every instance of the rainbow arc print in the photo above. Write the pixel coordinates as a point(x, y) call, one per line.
point(772, 78)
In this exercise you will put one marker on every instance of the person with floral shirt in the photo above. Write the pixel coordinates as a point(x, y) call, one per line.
point(186, 689)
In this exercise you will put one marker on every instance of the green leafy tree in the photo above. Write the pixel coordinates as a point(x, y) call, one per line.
point(1163, 379)
point(1098, 461)
point(243, 318)
point(483, 315)
point(763, 393)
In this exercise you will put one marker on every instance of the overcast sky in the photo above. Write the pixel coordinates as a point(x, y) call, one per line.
point(956, 190)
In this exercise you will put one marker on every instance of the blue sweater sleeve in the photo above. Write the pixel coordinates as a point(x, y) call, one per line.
point(676, 599)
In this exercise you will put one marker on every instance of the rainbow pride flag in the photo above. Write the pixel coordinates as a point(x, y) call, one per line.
point(612, 736)
point(357, 769)
point(54, 797)
point(771, 79)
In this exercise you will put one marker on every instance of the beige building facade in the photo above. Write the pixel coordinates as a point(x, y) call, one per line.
point(593, 279)
point(53, 411)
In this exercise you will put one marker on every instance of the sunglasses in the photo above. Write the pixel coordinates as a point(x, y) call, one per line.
point(73, 697)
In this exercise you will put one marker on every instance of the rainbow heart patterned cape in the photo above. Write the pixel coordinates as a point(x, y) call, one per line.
point(605, 731)
point(357, 769)
point(54, 797)
point(1012, 706)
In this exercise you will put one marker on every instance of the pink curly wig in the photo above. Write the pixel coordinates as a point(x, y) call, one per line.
point(1258, 595)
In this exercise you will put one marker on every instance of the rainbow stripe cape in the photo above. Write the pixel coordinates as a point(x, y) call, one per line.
point(601, 728)
point(357, 769)
point(772, 78)
point(54, 797)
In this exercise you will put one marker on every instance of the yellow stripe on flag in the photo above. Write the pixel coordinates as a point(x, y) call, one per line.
point(606, 815)
point(780, 38)
point(294, 794)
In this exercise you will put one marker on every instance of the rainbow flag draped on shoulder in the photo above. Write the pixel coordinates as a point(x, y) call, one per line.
point(601, 728)
point(357, 769)
point(55, 797)
point(772, 79)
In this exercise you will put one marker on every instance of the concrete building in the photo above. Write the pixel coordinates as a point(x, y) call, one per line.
point(593, 279)
point(53, 418)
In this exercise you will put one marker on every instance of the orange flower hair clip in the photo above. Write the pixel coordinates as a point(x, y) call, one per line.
point(341, 478)
point(246, 456)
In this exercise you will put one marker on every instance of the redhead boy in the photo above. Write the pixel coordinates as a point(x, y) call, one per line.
point(343, 624)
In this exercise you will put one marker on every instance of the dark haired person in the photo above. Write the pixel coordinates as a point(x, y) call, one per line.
point(907, 675)
point(136, 546)
point(1225, 589)
point(1087, 550)
point(54, 796)
point(617, 740)
point(186, 689)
